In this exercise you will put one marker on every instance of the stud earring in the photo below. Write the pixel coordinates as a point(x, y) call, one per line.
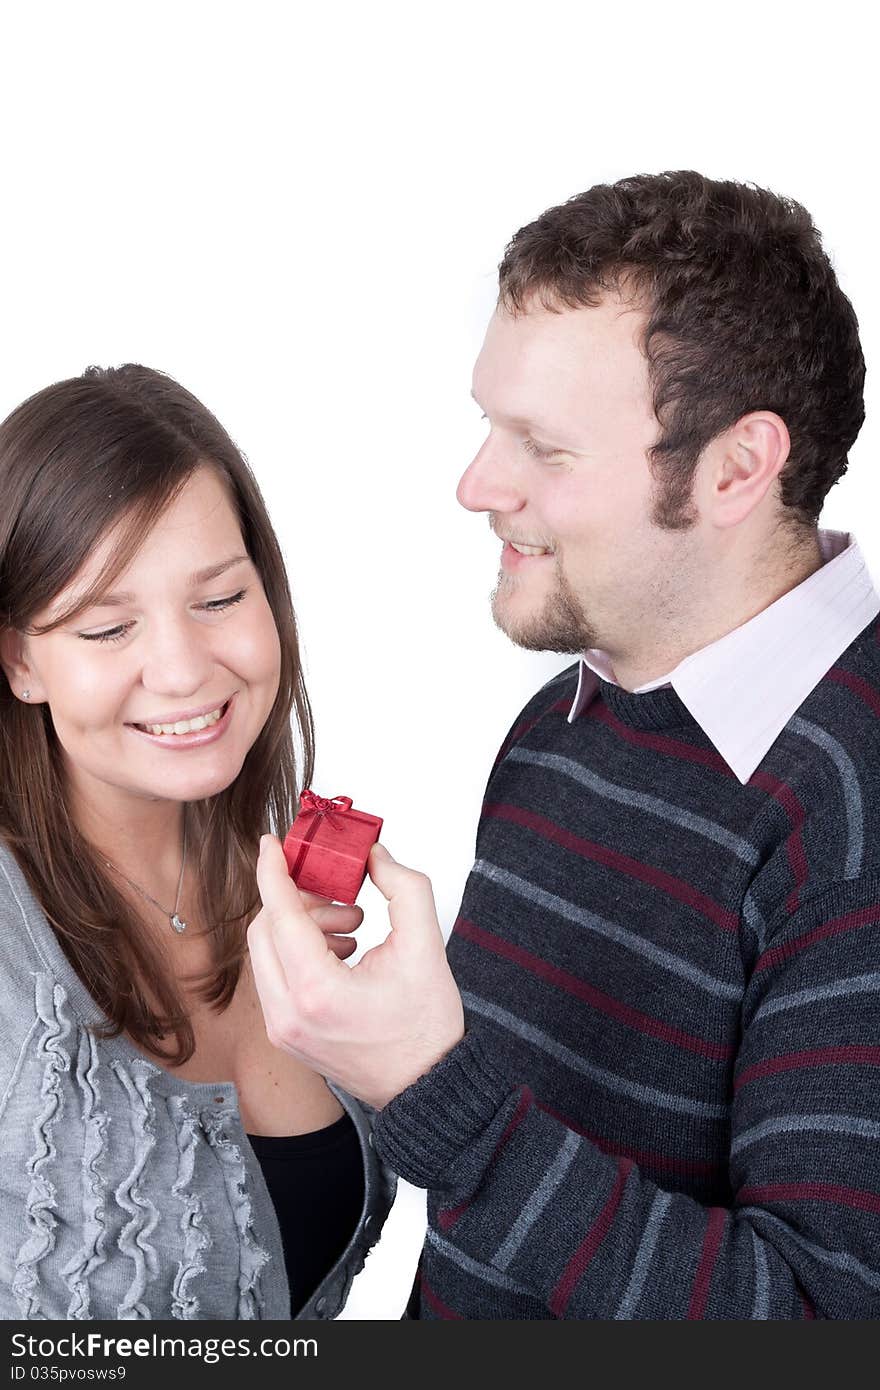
point(25, 694)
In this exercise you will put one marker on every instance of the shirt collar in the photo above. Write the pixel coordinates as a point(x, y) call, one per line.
point(743, 689)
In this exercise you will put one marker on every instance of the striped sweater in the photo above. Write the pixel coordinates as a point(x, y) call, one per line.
point(667, 1101)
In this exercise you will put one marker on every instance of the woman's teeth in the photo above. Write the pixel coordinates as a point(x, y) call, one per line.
point(184, 726)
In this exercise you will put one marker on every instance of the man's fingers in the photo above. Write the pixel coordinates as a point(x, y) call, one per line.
point(341, 946)
point(269, 976)
point(298, 940)
point(332, 917)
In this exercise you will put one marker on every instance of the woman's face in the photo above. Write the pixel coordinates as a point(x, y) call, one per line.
point(171, 644)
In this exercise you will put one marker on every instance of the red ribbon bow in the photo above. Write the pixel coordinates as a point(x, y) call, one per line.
point(323, 805)
point(323, 808)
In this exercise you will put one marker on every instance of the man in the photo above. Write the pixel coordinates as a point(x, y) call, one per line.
point(651, 1090)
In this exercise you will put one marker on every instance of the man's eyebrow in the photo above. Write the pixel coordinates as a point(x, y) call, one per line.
point(523, 422)
point(198, 577)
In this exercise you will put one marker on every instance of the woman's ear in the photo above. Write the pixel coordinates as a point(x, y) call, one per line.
point(15, 663)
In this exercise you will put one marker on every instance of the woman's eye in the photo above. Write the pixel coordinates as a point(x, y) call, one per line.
point(116, 634)
point(215, 604)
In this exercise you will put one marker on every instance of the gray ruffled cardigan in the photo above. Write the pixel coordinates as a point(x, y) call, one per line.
point(126, 1192)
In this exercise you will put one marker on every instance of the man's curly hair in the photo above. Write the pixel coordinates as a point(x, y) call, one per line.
point(744, 313)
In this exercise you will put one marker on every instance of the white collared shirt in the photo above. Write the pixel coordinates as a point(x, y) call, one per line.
point(743, 689)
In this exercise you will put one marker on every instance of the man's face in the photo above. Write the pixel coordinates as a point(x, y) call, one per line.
point(564, 471)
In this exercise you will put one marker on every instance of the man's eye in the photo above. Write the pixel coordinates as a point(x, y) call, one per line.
point(116, 634)
point(531, 448)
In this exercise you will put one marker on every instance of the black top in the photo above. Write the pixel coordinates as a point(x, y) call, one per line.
point(316, 1182)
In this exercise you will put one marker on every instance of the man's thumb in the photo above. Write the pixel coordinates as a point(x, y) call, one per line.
point(408, 892)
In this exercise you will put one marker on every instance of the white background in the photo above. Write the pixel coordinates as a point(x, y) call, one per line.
point(298, 211)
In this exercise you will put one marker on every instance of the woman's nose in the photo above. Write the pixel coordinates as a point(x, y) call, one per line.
point(179, 658)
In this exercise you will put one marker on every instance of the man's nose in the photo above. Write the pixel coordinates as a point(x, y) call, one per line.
point(490, 483)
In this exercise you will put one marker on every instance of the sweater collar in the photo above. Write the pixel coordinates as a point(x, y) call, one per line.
point(743, 689)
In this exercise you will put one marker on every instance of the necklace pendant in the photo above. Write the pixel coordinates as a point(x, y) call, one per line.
point(178, 923)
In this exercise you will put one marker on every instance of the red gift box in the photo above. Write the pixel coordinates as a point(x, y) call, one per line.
point(328, 845)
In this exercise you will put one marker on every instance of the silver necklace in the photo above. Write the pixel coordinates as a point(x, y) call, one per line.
point(178, 924)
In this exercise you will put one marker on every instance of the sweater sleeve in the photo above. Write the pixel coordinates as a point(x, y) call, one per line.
point(585, 1233)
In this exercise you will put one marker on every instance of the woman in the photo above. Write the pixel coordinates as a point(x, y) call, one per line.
point(161, 1158)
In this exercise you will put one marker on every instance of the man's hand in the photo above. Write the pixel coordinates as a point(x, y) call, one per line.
point(375, 1027)
point(336, 920)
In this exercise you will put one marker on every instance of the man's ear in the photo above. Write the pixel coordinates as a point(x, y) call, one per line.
point(748, 459)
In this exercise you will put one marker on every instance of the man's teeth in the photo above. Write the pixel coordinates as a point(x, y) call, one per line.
point(529, 549)
point(184, 726)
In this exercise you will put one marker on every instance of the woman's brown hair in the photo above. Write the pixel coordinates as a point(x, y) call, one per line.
point(744, 312)
point(113, 448)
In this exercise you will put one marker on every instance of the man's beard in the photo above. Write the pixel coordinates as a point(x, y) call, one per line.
point(560, 626)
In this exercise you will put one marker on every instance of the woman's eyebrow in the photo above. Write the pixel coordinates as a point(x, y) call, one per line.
point(198, 577)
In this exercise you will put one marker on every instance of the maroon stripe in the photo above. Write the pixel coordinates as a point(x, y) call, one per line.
point(855, 1054)
point(849, 921)
point(649, 1158)
point(797, 859)
point(705, 1269)
point(809, 1310)
point(447, 1216)
point(603, 1003)
point(612, 859)
point(436, 1304)
point(857, 685)
point(811, 1192)
point(781, 792)
point(526, 1100)
point(590, 1244)
point(660, 743)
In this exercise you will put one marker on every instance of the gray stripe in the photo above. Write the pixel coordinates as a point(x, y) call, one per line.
point(644, 1255)
point(674, 964)
point(761, 1305)
point(852, 792)
point(838, 1259)
point(652, 804)
point(856, 984)
point(819, 1124)
point(538, 1201)
point(755, 920)
point(479, 1271)
point(666, 1100)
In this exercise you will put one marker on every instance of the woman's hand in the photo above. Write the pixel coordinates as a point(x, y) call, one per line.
point(375, 1027)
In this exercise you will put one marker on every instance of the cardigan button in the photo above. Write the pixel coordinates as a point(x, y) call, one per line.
point(320, 1306)
point(370, 1140)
